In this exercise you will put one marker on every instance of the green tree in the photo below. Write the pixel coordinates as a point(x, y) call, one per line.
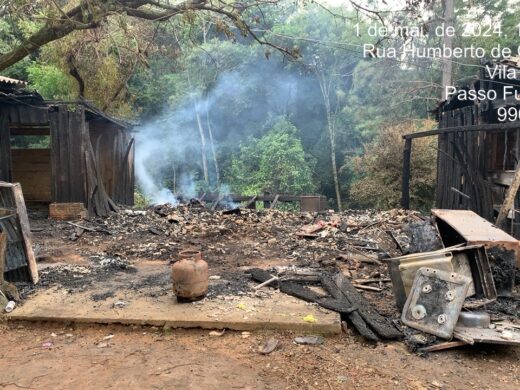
point(275, 162)
point(378, 171)
point(50, 81)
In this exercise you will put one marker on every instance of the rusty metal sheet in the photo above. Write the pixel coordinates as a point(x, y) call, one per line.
point(476, 230)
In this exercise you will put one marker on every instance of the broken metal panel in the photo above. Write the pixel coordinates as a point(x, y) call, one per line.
point(471, 261)
point(435, 302)
point(16, 224)
point(475, 229)
point(464, 226)
point(15, 268)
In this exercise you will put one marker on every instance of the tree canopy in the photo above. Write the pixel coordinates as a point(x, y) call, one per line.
point(253, 95)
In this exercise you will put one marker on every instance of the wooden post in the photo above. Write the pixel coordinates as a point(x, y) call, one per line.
point(509, 199)
point(3, 248)
point(407, 153)
point(267, 203)
point(26, 231)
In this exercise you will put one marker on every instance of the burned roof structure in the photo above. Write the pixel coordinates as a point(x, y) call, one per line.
point(63, 152)
point(478, 144)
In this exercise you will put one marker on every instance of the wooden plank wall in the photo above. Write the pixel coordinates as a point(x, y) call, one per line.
point(76, 177)
point(68, 135)
point(5, 148)
point(26, 114)
point(32, 169)
point(114, 150)
point(462, 160)
point(16, 114)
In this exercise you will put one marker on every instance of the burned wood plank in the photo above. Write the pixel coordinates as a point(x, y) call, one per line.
point(304, 293)
point(3, 248)
point(381, 325)
point(407, 153)
point(492, 127)
point(290, 288)
point(337, 305)
point(354, 317)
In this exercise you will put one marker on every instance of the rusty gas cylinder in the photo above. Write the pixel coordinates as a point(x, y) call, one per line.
point(190, 276)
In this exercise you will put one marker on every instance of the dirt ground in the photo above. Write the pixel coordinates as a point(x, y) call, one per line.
point(148, 358)
point(57, 356)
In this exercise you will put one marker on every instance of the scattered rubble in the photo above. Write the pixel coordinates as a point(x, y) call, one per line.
point(338, 261)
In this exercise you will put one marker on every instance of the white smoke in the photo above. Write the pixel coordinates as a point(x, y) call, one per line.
point(173, 142)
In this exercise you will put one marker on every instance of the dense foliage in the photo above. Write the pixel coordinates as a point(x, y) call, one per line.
point(304, 113)
point(378, 170)
point(274, 163)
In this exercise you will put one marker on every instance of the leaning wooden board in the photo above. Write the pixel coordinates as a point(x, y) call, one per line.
point(16, 196)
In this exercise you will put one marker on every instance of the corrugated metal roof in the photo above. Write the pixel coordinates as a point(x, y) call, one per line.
point(8, 80)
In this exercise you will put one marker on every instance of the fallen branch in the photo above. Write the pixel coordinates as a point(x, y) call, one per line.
point(373, 280)
point(368, 288)
point(267, 282)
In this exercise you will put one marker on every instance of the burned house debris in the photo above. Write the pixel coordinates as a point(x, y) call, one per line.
point(221, 262)
point(17, 260)
point(478, 149)
point(388, 275)
point(64, 153)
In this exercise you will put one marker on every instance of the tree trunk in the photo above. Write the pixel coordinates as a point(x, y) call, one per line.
point(201, 133)
point(202, 143)
point(212, 145)
point(332, 135)
point(332, 138)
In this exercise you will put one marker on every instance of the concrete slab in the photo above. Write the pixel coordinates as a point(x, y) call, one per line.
point(279, 311)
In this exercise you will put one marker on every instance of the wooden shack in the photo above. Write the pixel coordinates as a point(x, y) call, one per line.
point(478, 153)
point(65, 152)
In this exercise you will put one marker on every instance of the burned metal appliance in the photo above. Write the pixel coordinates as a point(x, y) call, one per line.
point(470, 261)
point(435, 301)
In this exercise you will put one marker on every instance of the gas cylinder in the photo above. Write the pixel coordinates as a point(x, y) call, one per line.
point(190, 276)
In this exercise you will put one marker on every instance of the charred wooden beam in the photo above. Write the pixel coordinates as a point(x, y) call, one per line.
point(490, 127)
point(299, 291)
point(407, 155)
point(354, 317)
point(381, 325)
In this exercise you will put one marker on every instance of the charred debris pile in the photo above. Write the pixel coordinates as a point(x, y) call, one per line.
point(393, 274)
